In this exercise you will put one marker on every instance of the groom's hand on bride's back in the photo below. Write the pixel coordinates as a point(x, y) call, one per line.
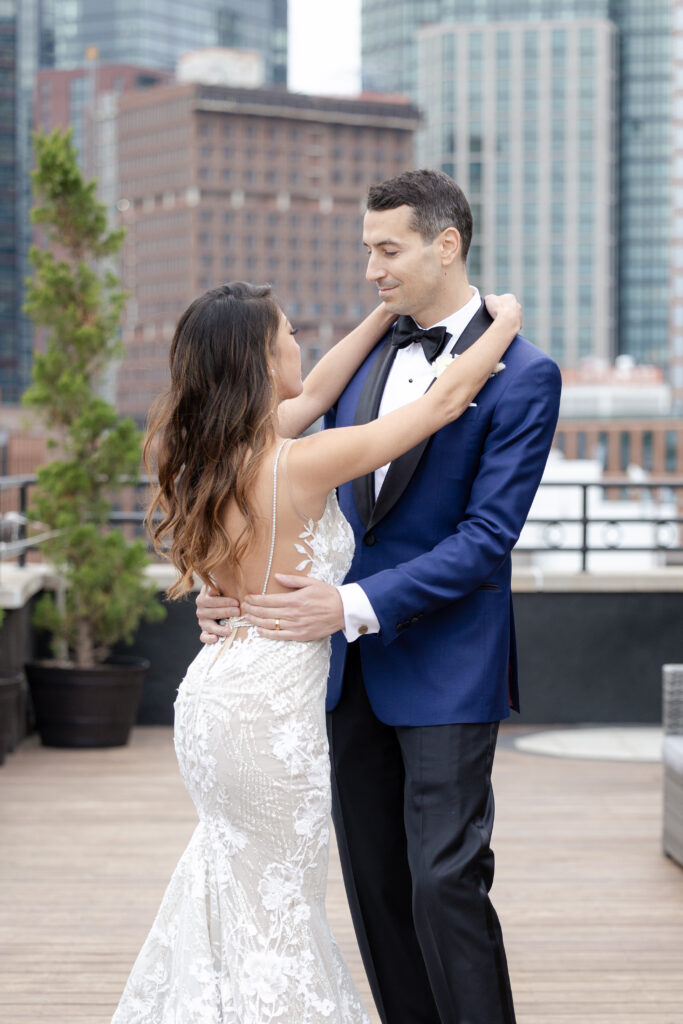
point(210, 608)
point(310, 610)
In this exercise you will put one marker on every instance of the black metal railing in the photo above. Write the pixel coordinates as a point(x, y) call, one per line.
point(584, 530)
point(577, 529)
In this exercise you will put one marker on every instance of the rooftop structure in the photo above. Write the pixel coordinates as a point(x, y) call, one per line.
point(220, 184)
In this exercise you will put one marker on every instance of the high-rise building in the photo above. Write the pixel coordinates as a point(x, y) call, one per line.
point(154, 33)
point(81, 99)
point(523, 115)
point(220, 183)
point(88, 33)
point(25, 43)
point(643, 55)
point(676, 267)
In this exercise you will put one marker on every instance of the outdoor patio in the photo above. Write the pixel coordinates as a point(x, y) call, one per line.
point(591, 910)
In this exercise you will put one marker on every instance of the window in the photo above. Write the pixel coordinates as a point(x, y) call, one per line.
point(530, 173)
point(530, 47)
point(671, 451)
point(448, 53)
point(557, 258)
point(585, 297)
point(624, 450)
point(557, 218)
point(602, 453)
point(559, 45)
point(648, 449)
point(585, 341)
point(581, 444)
point(502, 176)
point(476, 176)
point(557, 342)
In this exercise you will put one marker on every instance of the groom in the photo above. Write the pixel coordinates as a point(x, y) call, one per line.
point(423, 642)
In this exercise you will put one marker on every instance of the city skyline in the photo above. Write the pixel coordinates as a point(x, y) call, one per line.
point(643, 152)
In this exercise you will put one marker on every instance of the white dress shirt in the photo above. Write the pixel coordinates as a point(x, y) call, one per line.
point(410, 376)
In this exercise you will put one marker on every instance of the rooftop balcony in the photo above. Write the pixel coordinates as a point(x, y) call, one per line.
point(591, 910)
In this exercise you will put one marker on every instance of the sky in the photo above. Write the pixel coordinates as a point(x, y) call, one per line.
point(324, 46)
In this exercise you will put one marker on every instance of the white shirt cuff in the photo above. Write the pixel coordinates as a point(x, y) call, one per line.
point(359, 617)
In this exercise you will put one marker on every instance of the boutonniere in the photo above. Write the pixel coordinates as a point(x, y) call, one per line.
point(446, 358)
point(442, 361)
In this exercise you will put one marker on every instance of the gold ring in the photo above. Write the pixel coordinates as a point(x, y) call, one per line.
point(277, 624)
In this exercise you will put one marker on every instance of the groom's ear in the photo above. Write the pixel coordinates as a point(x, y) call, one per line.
point(449, 246)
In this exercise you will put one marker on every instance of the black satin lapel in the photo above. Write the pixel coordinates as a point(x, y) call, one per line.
point(366, 410)
point(397, 479)
point(480, 322)
point(401, 469)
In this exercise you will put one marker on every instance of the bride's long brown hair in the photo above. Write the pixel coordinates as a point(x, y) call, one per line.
point(208, 431)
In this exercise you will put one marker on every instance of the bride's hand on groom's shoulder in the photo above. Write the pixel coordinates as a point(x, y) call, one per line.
point(507, 306)
point(210, 608)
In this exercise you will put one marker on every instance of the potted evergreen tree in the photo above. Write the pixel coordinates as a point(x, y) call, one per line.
point(101, 594)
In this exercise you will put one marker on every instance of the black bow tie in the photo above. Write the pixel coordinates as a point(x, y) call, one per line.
point(433, 340)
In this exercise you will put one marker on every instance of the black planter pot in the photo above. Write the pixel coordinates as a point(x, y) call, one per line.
point(86, 707)
point(11, 729)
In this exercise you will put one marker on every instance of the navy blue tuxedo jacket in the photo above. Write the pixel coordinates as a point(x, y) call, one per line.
point(433, 552)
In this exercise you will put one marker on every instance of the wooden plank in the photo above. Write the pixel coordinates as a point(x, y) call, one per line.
point(591, 910)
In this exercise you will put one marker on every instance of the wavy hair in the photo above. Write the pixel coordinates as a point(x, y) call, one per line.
point(211, 427)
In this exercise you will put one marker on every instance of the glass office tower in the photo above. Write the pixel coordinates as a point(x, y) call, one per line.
point(523, 116)
point(24, 44)
point(154, 33)
point(45, 33)
point(643, 85)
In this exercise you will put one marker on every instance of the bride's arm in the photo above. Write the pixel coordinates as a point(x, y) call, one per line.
point(328, 378)
point(324, 460)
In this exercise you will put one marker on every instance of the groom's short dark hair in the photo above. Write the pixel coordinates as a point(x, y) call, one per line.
point(435, 199)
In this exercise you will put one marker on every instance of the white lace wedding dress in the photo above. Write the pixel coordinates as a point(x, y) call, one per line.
point(241, 936)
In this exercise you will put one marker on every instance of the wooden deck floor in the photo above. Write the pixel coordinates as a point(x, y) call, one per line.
point(592, 912)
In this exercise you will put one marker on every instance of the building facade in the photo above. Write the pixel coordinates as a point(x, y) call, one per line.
point(25, 42)
point(220, 184)
point(154, 33)
point(620, 415)
point(76, 99)
point(643, 60)
point(82, 34)
point(523, 116)
point(676, 260)
point(655, 444)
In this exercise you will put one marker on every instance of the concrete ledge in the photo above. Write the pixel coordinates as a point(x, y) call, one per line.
point(18, 585)
point(653, 581)
point(536, 581)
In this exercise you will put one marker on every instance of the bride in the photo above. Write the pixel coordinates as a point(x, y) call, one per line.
point(241, 936)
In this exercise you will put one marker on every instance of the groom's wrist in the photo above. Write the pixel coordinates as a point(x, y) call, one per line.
point(359, 615)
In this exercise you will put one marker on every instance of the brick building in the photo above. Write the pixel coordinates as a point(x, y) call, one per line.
point(622, 416)
point(220, 184)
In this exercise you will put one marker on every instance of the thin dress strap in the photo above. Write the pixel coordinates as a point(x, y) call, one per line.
point(272, 527)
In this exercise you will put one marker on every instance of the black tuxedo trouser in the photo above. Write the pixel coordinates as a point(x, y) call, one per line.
point(413, 812)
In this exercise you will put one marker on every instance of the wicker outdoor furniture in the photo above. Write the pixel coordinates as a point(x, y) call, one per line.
point(672, 757)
